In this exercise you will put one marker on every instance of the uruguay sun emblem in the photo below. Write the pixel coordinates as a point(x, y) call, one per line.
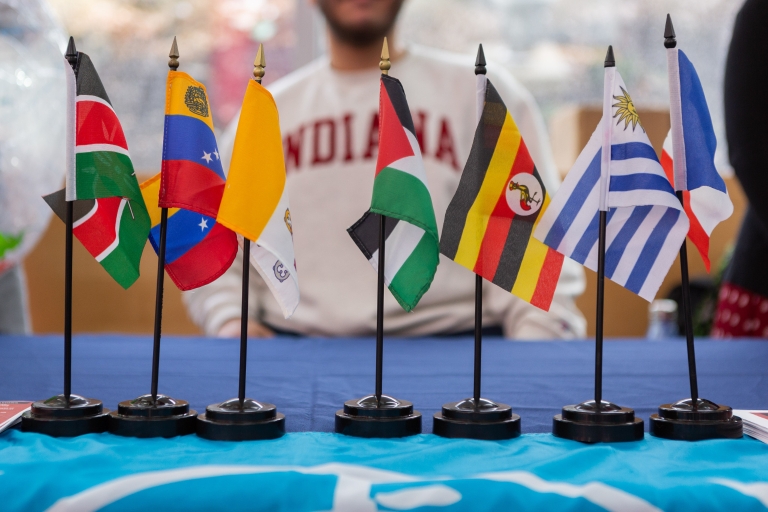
point(626, 112)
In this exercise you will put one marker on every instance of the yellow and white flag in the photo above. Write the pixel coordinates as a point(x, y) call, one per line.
point(255, 201)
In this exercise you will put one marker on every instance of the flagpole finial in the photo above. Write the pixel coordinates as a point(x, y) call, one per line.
point(71, 53)
point(173, 62)
point(259, 64)
point(610, 61)
point(669, 34)
point(384, 64)
point(480, 61)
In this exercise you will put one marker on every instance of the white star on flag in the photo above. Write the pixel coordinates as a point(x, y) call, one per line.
point(203, 224)
point(216, 154)
point(207, 157)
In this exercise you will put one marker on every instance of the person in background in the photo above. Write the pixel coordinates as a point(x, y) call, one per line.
point(329, 123)
point(742, 308)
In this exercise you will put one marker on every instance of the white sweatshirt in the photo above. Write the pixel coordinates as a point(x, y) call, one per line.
point(328, 123)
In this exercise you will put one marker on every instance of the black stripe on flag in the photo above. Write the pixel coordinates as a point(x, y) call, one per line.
point(88, 81)
point(396, 95)
point(58, 204)
point(365, 232)
point(486, 137)
point(515, 246)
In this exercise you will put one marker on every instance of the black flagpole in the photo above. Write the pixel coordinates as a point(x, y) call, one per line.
point(380, 309)
point(244, 319)
point(599, 313)
point(670, 41)
point(610, 62)
point(479, 70)
point(173, 64)
point(71, 56)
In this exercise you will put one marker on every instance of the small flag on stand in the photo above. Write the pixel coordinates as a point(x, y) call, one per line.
point(110, 217)
point(190, 185)
point(688, 157)
point(400, 193)
point(645, 221)
point(500, 199)
point(255, 202)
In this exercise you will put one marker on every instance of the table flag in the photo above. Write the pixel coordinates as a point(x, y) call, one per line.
point(646, 222)
point(401, 194)
point(255, 201)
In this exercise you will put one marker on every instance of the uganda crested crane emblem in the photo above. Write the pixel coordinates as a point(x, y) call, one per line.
point(525, 194)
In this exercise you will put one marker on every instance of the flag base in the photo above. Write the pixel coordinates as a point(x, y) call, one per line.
point(229, 421)
point(145, 417)
point(588, 424)
point(489, 421)
point(59, 417)
point(680, 421)
point(369, 417)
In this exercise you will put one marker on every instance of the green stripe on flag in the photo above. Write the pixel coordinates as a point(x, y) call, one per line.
point(123, 262)
point(402, 196)
point(105, 174)
point(416, 274)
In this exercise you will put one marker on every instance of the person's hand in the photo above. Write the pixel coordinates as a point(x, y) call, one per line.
point(231, 329)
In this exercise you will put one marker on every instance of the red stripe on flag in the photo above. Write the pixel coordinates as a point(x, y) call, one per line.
point(497, 231)
point(696, 232)
point(98, 124)
point(206, 261)
point(393, 142)
point(548, 277)
point(98, 232)
point(191, 186)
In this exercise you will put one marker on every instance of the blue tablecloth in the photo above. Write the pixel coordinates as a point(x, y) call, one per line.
point(309, 379)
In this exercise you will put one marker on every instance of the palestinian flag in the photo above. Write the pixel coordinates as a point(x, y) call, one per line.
point(490, 221)
point(111, 219)
point(400, 193)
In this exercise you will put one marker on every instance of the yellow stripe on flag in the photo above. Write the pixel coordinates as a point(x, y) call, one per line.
point(187, 97)
point(150, 191)
point(494, 182)
point(533, 261)
point(256, 176)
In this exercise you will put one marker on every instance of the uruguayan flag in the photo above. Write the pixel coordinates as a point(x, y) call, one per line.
point(646, 223)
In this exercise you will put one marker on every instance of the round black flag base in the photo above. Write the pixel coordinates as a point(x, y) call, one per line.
point(707, 420)
point(587, 423)
point(369, 417)
point(60, 417)
point(236, 421)
point(488, 421)
point(145, 417)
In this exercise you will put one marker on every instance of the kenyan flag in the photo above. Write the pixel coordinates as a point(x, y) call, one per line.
point(400, 193)
point(111, 219)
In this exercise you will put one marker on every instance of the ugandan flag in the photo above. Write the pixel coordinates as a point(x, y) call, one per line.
point(401, 195)
point(110, 217)
point(490, 221)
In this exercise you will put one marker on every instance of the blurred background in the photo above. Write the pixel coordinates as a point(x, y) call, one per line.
point(555, 47)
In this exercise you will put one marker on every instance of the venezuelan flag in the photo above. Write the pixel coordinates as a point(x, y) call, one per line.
point(192, 176)
point(198, 249)
point(490, 221)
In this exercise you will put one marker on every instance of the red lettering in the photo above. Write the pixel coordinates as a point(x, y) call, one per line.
point(317, 157)
point(420, 125)
point(445, 150)
point(348, 138)
point(373, 138)
point(292, 146)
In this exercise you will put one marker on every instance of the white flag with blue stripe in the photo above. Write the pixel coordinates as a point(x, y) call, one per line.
point(646, 222)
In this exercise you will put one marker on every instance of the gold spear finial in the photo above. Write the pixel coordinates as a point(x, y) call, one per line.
point(384, 63)
point(259, 64)
point(173, 62)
